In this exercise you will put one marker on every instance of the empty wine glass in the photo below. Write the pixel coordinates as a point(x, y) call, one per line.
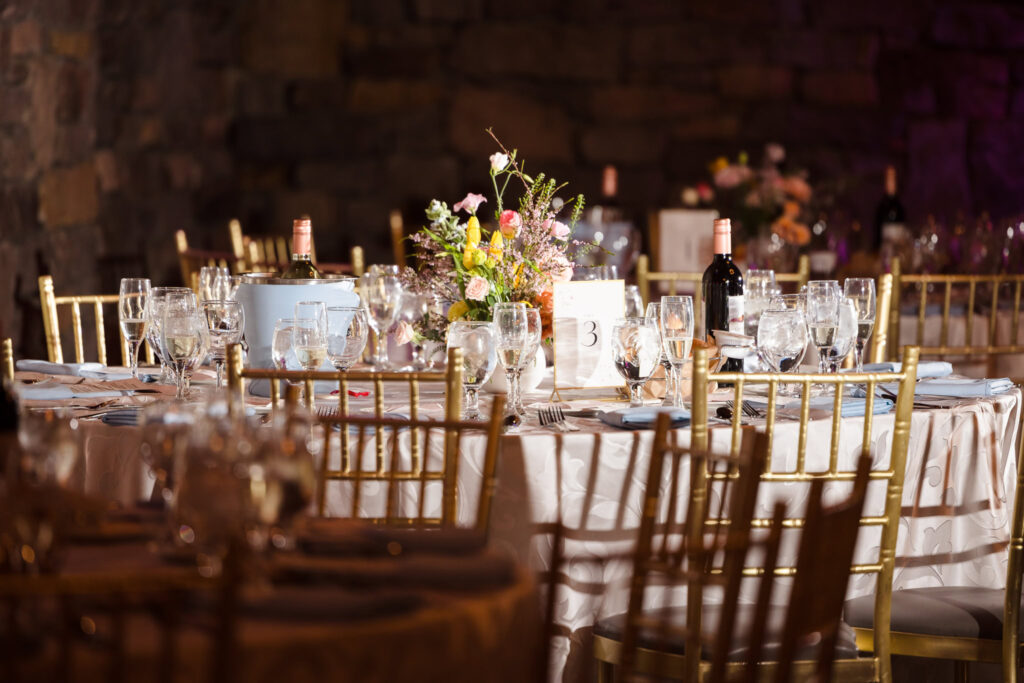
point(314, 310)
point(782, 338)
point(202, 350)
point(347, 330)
point(207, 281)
point(677, 338)
point(479, 358)
point(788, 302)
point(225, 285)
point(412, 310)
point(226, 323)
point(636, 349)
point(846, 335)
point(131, 312)
point(309, 342)
point(654, 313)
point(381, 294)
point(823, 316)
point(281, 345)
point(512, 330)
point(634, 302)
point(535, 331)
point(154, 314)
point(179, 335)
point(758, 289)
point(861, 291)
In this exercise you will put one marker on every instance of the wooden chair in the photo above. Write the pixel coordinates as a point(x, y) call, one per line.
point(272, 253)
point(191, 260)
point(51, 324)
point(999, 288)
point(397, 451)
point(962, 623)
point(8, 360)
point(645, 276)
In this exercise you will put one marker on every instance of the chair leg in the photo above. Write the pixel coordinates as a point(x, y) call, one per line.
point(960, 672)
point(605, 672)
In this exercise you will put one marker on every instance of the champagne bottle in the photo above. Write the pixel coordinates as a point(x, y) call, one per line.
point(301, 266)
point(890, 218)
point(723, 292)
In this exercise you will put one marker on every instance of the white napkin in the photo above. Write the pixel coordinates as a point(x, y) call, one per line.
point(963, 387)
point(46, 367)
point(57, 391)
point(926, 368)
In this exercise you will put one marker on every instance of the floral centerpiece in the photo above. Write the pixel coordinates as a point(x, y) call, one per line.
point(756, 198)
point(526, 250)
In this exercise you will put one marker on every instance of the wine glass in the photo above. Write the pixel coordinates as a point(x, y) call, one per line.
point(479, 358)
point(823, 317)
point(281, 346)
point(654, 313)
point(782, 338)
point(861, 291)
point(636, 348)
point(758, 289)
point(225, 285)
point(347, 330)
point(226, 322)
point(207, 281)
point(179, 335)
point(846, 335)
point(412, 310)
point(535, 331)
point(131, 312)
point(381, 294)
point(309, 342)
point(788, 302)
point(154, 314)
point(634, 302)
point(315, 310)
point(513, 336)
point(202, 350)
point(677, 338)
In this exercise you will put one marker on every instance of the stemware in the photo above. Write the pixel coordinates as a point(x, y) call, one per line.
point(677, 338)
point(512, 330)
point(381, 294)
point(309, 342)
point(412, 310)
point(208, 276)
point(281, 352)
point(202, 349)
point(634, 302)
point(225, 321)
point(636, 349)
point(782, 338)
point(179, 335)
point(314, 310)
point(535, 332)
point(654, 313)
point(225, 285)
point(154, 314)
point(823, 317)
point(861, 291)
point(131, 312)
point(758, 289)
point(347, 330)
point(846, 335)
point(479, 358)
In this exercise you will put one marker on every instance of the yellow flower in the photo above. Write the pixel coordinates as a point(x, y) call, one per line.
point(467, 256)
point(518, 273)
point(473, 231)
point(497, 245)
point(718, 164)
point(458, 309)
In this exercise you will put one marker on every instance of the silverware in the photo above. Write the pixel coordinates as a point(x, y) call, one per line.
point(554, 417)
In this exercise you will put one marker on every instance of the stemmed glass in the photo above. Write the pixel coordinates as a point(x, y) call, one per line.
point(226, 322)
point(636, 349)
point(199, 322)
point(861, 291)
point(381, 293)
point(677, 338)
point(281, 345)
point(316, 310)
point(823, 317)
point(347, 330)
point(179, 336)
point(208, 276)
point(225, 285)
point(154, 314)
point(654, 313)
point(634, 302)
point(309, 342)
point(782, 338)
point(131, 312)
point(513, 336)
point(412, 309)
point(758, 289)
point(846, 335)
point(479, 358)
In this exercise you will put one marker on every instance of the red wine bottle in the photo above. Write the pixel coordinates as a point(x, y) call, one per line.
point(723, 292)
point(890, 218)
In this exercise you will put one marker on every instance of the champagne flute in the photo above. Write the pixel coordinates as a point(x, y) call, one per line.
point(677, 338)
point(846, 335)
point(513, 336)
point(636, 348)
point(154, 314)
point(823, 317)
point(861, 291)
point(479, 358)
point(654, 313)
point(179, 336)
point(131, 312)
point(347, 330)
point(381, 293)
point(309, 342)
point(226, 322)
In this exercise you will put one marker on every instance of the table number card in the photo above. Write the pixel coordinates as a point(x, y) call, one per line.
point(584, 313)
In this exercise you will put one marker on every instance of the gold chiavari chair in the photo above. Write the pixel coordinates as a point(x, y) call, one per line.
point(51, 324)
point(398, 237)
point(8, 359)
point(927, 290)
point(961, 623)
point(369, 456)
point(192, 260)
point(645, 277)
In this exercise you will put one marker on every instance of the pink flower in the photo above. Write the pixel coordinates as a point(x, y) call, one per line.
point(471, 203)
point(731, 176)
point(404, 333)
point(510, 222)
point(562, 271)
point(558, 229)
point(477, 288)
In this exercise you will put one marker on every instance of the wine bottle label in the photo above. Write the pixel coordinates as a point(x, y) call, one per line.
point(736, 314)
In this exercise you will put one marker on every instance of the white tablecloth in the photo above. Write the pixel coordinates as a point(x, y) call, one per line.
point(1003, 365)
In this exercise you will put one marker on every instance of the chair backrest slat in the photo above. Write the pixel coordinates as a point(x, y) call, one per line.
point(8, 359)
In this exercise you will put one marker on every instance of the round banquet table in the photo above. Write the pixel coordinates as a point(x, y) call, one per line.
point(954, 528)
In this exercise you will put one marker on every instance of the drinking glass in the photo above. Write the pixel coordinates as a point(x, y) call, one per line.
point(479, 358)
point(636, 349)
point(758, 289)
point(677, 338)
point(131, 312)
point(788, 302)
point(226, 321)
point(225, 285)
point(634, 302)
point(281, 346)
point(782, 338)
point(179, 335)
point(315, 310)
point(154, 313)
point(202, 350)
point(535, 330)
point(823, 317)
point(654, 313)
point(512, 330)
point(861, 291)
point(207, 279)
point(309, 342)
point(381, 294)
point(846, 335)
point(412, 309)
point(347, 330)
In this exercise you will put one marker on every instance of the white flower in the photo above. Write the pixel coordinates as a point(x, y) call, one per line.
point(690, 196)
point(437, 211)
point(499, 161)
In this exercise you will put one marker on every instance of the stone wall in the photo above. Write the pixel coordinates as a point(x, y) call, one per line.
point(123, 120)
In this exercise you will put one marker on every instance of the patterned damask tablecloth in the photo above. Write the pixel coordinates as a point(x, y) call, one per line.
point(1004, 365)
point(957, 499)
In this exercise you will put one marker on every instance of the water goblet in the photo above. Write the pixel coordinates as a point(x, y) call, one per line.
point(179, 336)
point(154, 313)
point(131, 313)
point(347, 330)
point(861, 291)
point(677, 338)
point(309, 342)
point(512, 330)
point(202, 350)
point(782, 338)
point(381, 294)
point(535, 333)
point(636, 349)
point(479, 358)
point(226, 323)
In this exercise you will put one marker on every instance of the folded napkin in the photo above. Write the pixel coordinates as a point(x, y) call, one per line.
point(48, 368)
point(851, 407)
point(327, 604)
point(106, 374)
point(643, 417)
point(343, 537)
point(963, 387)
point(128, 417)
point(927, 368)
point(56, 391)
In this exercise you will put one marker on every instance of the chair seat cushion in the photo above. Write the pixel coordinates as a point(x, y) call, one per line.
point(650, 638)
point(952, 611)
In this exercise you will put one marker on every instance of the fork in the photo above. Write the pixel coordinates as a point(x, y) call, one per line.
point(552, 416)
point(745, 408)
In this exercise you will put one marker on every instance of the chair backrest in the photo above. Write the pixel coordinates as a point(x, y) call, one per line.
point(397, 237)
point(890, 471)
point(51, 323)
point(272, 253)
point(191, 260)
point(8, 359)
point(926, 291)
point(412, 455)
point(1014, 567)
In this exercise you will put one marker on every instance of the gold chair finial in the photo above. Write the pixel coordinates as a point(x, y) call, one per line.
point(8, 359)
